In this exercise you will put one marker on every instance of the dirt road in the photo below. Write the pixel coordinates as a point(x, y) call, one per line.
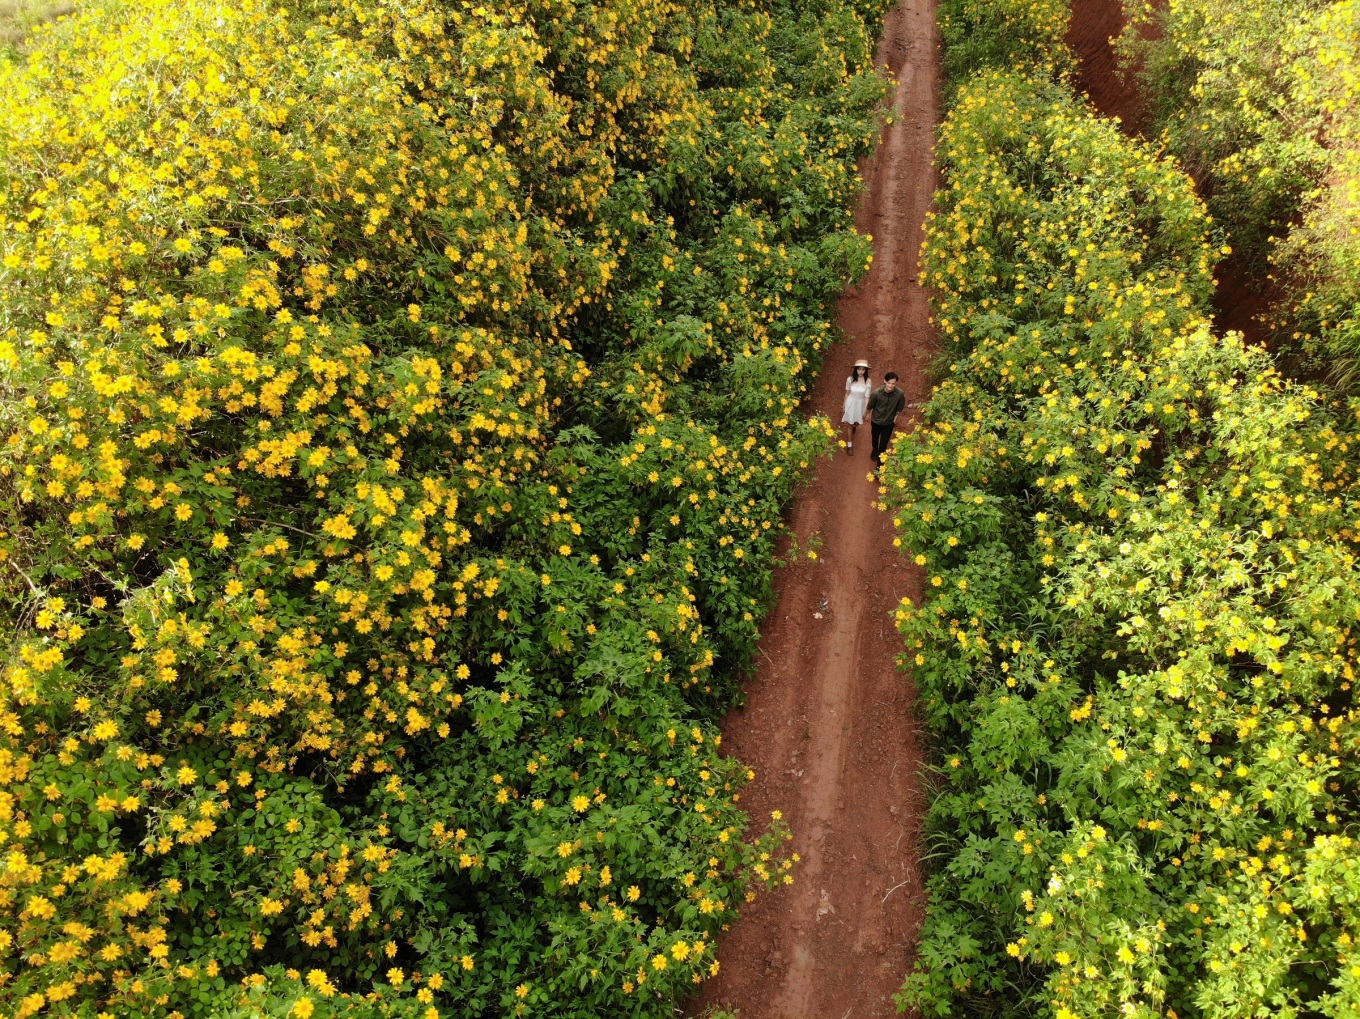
point(829, 725)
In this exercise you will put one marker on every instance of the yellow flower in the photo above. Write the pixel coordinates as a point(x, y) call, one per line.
point(106, 730)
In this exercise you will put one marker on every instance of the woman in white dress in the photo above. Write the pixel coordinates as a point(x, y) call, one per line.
point(857, 390)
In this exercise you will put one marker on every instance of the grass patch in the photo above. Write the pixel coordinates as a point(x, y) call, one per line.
point(18, 18)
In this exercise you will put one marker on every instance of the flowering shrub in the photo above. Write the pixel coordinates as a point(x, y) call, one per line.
point(398, 401)
point(1320, 255)
point(1259, 100)
point(979, 34)
point(1217, 80)
point(1137, 648)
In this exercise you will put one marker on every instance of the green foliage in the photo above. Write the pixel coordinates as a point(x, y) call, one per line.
point(1321, 254)
point(1138, 648)
point(1218, 80)
point(399, 403)
point(1013, 34)
point(1261, 102)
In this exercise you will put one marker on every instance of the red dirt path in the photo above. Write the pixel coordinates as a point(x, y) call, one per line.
point(1094, 23)
point(829, 723)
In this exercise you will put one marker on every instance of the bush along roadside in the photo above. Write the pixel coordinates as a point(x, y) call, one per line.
point(1019, 35)
point(398, 404)
point(1259, 101)
point(1137, 649)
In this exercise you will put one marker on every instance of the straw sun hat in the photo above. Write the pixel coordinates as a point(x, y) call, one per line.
point(861, 363)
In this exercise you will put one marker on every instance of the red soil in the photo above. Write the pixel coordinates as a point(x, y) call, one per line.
point(1094, 23)
point(829, 723)
point(1243, 300)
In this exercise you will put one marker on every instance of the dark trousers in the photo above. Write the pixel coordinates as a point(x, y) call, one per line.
point(882, 438)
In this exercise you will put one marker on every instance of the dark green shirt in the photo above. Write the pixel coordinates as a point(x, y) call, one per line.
point(884, 406)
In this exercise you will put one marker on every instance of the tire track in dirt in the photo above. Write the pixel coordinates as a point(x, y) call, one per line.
point(829, 723)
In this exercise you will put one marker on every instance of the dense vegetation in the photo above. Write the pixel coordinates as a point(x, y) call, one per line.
point(1138, 645)
point(1261, 102)
point(397, 402)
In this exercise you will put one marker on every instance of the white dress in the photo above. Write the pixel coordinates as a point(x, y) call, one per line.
point(856, 399)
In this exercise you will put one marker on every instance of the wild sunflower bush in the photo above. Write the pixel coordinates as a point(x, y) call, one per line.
point(1019, 34)
point(1261, 101)
point(1137, 648)
point(1217, 82)
point(398, 403)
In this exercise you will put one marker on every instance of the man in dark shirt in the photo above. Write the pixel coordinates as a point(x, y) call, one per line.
point(885, 403)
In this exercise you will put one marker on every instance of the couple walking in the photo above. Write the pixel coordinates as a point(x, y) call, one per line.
point(882, 405)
